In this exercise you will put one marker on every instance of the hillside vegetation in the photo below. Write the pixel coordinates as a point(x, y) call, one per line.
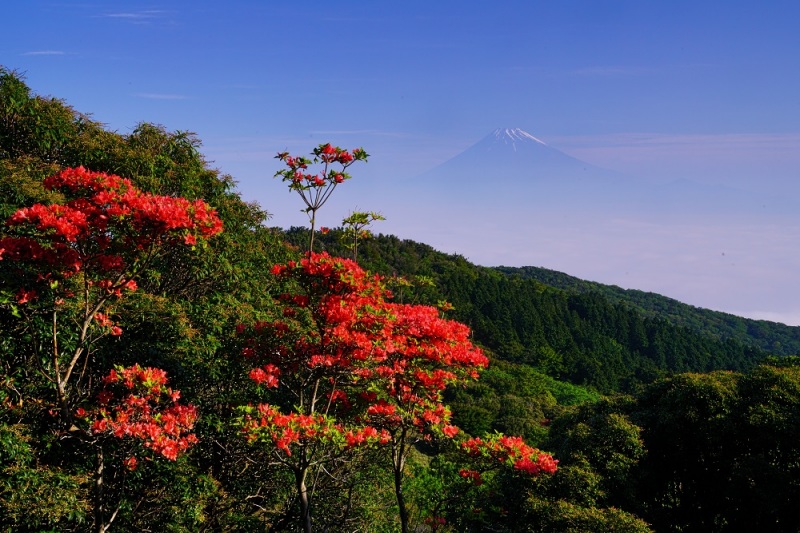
point(772, 337)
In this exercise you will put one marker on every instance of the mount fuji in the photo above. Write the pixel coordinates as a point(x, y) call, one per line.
point(512, 168)
point(511, 165)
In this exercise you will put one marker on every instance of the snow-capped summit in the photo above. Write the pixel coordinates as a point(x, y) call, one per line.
point(515, 135)
point(517, 151)
point(512, 164)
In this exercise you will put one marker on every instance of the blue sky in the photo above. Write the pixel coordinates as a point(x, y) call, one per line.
point(701, 90)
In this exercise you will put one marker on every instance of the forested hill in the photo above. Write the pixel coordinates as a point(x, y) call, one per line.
point(774, 337)
point(585, 337)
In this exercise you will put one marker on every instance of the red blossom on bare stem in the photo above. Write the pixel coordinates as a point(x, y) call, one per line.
point(315, 188)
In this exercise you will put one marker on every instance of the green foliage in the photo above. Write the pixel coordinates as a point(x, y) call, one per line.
point(565, 517)
point(34, 126)
point(513, 399)
point(686, 426)
point(354, 229)
point(722, 451)
point(33, 496)
point(601, 438)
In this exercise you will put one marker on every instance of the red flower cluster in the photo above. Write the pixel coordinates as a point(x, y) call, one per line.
point(266, 422)
point(266, 375)
point(472, 475)
point(351, 353)
point(512, 451)
point(136, 403)
point(103, 228)
point(102, 320)
point(316, 189)
point(327, 155)
point(366, 435)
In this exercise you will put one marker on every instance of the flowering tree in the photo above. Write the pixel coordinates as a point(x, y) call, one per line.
point(69, 262)
point(350, 368)
point(316, 188)
point(137, 409)
point(313, 356)
point(427, 354)
point(65, 267)
point(137, 404)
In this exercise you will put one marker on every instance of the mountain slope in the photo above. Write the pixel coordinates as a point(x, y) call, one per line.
point(779, 339)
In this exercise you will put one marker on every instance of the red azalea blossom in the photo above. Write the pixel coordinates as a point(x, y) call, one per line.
point(130, 463)
point(472, 475)
point(512, 451)
point(102, 229)
point(267, 376)
point(450, 431)
point(24, 296)
point(140, 405)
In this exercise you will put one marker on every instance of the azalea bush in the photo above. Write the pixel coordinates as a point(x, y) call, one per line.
point(345, 368)
point(68, 263)
point(135, 416)
point(308, 361)
point(65, 267)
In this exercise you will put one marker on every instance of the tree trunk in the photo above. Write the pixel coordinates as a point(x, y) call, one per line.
point(401, 502)
point(99, 496)
point(398, 463)
point(313, 224)
point(302, 497)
